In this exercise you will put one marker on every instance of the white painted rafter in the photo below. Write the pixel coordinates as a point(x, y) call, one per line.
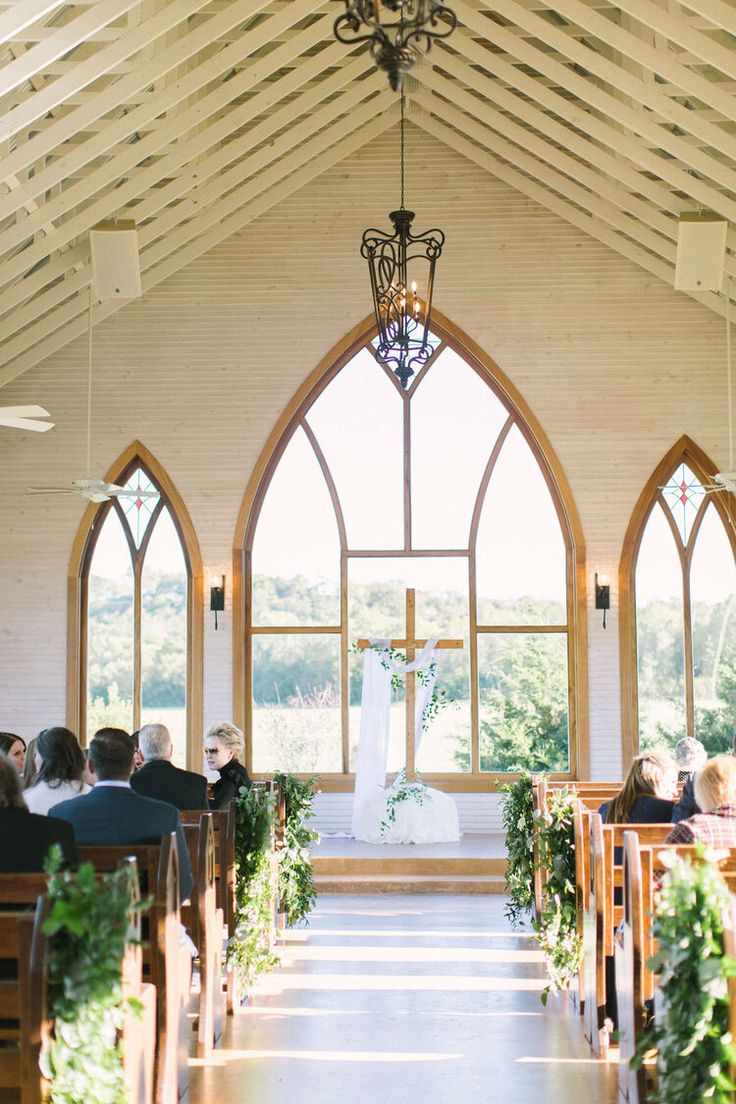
point(15, 20)
point(156, 269)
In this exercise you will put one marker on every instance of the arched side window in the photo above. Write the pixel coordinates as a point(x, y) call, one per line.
point(678, 609)
point(365, 490)
point(136, 611)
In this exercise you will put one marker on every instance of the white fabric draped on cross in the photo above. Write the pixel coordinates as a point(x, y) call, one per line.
point(375, 718)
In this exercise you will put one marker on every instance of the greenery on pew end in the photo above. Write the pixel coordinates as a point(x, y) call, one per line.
point(88, 928)
point(250, 949)
point(695, 1047)
point(517, 815)
point(297, 888)
point(556, 926)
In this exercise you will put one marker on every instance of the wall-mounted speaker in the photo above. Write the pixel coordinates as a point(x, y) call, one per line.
point(115, 266)
point(701, 251)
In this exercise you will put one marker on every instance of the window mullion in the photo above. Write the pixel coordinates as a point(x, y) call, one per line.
point(137, 648)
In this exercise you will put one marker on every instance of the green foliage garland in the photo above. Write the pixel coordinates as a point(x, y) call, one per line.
point(517, 814)
point(556, 927)
point(401, 790)
point(250, 951)
point(87, 930)
point(297, 888)
point(695, 1047)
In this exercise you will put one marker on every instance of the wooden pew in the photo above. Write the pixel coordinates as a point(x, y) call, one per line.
point(22, 994)
point(204, 922)
point(602, 915)
point(168, 961)
point(21, 933)
point(635, 984)
point(592, 794)
point(223, 827)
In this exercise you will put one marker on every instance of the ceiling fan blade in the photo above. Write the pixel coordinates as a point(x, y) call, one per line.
point(23, 412)
point(114, 491)
point(50, 491)
point(25, 423)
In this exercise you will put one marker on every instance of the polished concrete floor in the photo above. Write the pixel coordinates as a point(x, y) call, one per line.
point(393, 999)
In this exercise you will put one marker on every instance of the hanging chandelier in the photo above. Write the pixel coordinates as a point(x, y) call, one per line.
point(400, 32)
point(401, 263)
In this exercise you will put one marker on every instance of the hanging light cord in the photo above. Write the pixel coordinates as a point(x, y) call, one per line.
point(403, 99)
point(89, 384)
point(728, 367)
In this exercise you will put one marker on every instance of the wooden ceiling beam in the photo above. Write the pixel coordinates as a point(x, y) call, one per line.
point(156, 268)
point(66, 38)
point(614, 111)
point(81, 74)
point(640, 92)
point(141, 76)
point(123, 163)
point(716, 12)
point(198, 171)
point(19, 17)
point(662, 62)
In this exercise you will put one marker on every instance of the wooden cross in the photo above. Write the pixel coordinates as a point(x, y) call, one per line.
point(409, 644)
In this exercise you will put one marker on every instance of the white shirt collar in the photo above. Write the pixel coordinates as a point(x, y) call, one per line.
point(120, 785)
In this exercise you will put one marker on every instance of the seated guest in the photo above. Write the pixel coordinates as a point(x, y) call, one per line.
point(690, 756)
point(30, 770)
point(648, 793)
point(159, 778)
point(137, 757)
point(14, 749)
point(61, 769)
point(715, 793)
point(222, 746)
point(25, 838)
point(112, 813)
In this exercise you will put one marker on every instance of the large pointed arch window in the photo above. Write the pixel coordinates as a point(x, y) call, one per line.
point(442, 488)
point(684, 609)
point(136, 613)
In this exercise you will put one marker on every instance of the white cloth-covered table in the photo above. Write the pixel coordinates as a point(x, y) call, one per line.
point(434, 820)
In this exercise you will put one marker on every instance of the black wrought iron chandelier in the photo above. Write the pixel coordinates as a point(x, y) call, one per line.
point(402, 311)
point(400, 32)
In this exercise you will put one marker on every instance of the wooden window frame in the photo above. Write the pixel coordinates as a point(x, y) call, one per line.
point(684, 451)
point(520, 415)
point(137, 455)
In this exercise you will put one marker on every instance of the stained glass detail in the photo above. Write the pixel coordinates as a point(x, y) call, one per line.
point(684, 494)
point(138, 511)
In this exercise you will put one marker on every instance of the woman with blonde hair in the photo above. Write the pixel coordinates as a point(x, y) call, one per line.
point(222, 746)
point(648, 794)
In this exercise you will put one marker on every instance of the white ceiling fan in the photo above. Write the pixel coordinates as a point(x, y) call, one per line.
point(95, 490)
point(25, 417)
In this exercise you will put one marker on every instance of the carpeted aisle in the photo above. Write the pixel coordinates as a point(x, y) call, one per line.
point(387, 999)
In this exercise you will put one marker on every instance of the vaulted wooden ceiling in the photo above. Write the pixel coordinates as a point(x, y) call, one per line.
point(193, 117)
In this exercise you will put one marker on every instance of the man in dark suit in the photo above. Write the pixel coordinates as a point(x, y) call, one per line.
point(113, 813)
point(160, 779)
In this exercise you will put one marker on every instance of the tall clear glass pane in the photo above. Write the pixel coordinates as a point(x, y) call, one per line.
point(164, 634)
point(358, 421)
point(713, 604)
point(296, 703)
point(523, 702)
point(683, 494)
point(138, 511)
point(521, 569)
point(110, 630)
point(296, 552)
point(659, 636)
point(455, 420)
point(377, 608)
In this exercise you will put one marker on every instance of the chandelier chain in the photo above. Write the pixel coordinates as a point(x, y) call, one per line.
point(403, 100)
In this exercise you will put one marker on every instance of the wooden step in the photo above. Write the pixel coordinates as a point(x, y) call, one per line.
point(410, 883)
point(408, 865)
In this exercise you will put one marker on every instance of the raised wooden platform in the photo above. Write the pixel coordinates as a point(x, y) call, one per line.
point(474, 865)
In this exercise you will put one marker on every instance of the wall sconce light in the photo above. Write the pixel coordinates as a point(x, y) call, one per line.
point(217, 596)
point(602, 595)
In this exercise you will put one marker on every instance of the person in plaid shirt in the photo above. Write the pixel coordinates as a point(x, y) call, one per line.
point(715, 793)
